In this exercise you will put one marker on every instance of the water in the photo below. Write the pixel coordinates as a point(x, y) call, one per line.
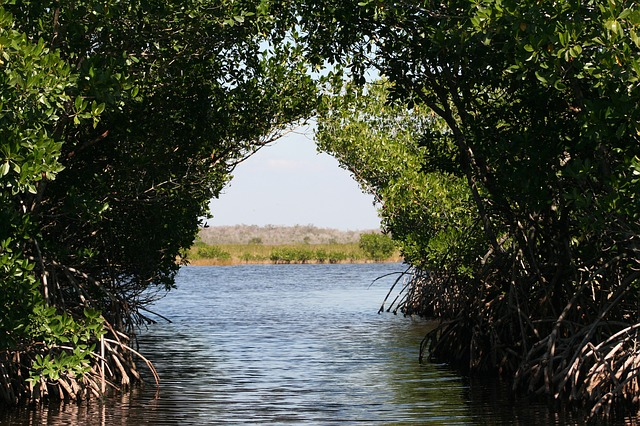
point(291, 344)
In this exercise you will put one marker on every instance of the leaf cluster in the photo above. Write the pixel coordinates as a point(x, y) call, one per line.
point(404, 157)
point(538, 105)
point(377, 246)
point(120, 121)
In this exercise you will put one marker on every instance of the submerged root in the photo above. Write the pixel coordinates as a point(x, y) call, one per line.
point(113, 369)
point(82, 342)
point(581, 346)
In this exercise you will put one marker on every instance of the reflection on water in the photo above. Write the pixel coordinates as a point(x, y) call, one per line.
point(296, 344)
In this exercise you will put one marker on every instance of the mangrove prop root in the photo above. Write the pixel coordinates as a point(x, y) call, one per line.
point(111, 366)
point(113, 369)
point(581, 344)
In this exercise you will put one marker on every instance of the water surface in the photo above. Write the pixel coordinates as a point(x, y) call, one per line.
point(292, 344)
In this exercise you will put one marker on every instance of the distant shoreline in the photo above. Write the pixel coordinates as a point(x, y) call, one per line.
point(247, 244)
point(232, 262)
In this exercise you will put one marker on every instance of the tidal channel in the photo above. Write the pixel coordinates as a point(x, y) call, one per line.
point(292, 344)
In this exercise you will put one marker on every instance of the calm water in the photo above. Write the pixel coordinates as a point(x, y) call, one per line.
point(291, 344)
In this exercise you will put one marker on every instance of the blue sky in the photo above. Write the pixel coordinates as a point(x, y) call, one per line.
point(289, 183)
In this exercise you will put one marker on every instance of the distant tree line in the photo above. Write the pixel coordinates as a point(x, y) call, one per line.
point(371, 247)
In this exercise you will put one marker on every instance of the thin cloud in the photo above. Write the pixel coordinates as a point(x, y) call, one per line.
point(292, 165)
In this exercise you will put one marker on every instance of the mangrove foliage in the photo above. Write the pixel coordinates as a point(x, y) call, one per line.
point(503, 143)
point(500, 137)
point(119, 121)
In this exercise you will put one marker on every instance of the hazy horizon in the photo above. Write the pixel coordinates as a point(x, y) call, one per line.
point(300, 225)
point(288, 183)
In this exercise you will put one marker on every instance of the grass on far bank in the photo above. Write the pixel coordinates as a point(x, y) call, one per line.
point(202, 254)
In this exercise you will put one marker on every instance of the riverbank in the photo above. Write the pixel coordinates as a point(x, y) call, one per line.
point(231, 262)
point(242, 254)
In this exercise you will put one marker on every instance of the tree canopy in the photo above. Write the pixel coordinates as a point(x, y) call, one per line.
point(120, 121)
point(501, 140)
point(536, 104)
point(394, 153)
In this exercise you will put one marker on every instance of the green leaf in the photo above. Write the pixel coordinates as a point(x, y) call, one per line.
point(575, 51)
point(634, 37)
point(613, 26)
point(97, 109)
point(78, 103)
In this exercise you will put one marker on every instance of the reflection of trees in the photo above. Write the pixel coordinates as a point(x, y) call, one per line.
point(127, 408)
point(433, 393)
point(183, 359)
point(493, 402)
point(427, 392)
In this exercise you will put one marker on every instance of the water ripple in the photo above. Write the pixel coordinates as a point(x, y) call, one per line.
point(286, 344)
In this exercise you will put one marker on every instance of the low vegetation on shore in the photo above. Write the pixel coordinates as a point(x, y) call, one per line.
point(299, 244)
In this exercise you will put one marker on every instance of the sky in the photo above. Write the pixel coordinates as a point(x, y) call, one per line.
point(290, 183)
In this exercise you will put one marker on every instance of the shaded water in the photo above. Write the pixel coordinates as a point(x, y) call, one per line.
point(291, 344)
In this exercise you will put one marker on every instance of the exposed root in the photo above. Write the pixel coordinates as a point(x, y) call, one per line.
point(115, 370)
point(566, 339)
